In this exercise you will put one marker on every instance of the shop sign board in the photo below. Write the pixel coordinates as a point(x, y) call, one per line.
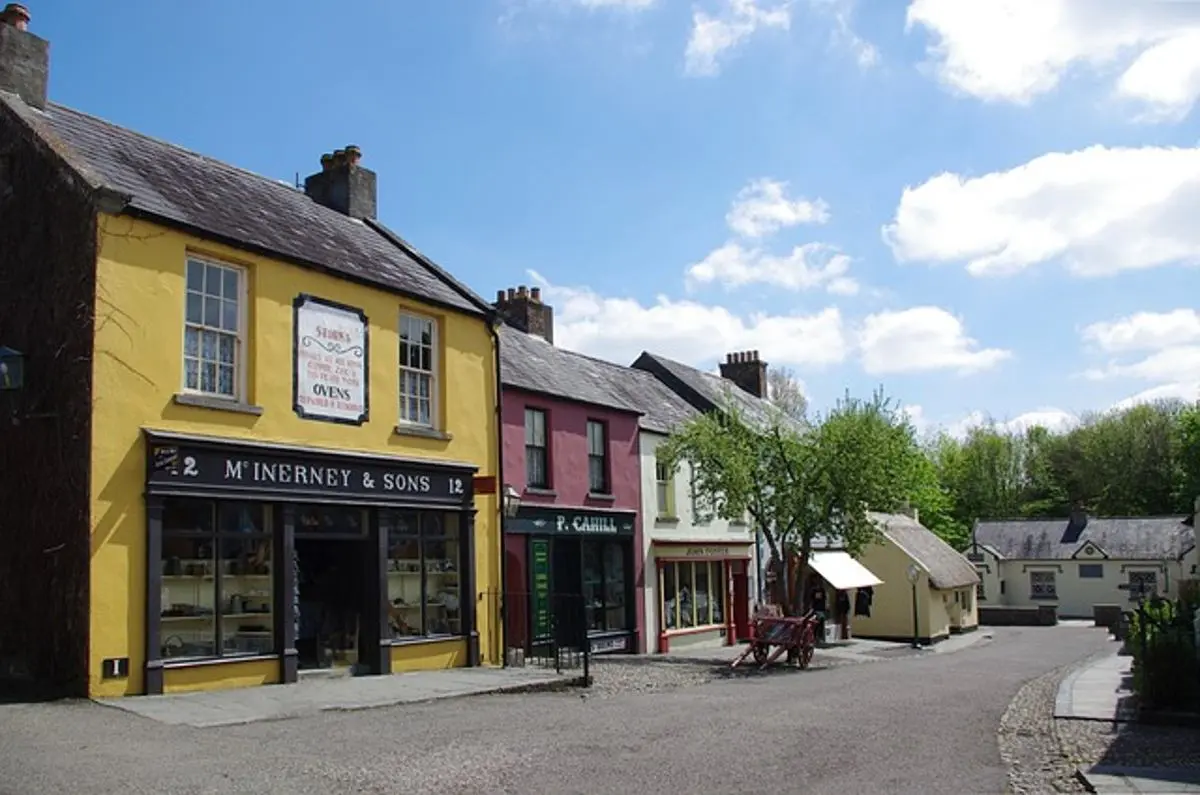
point(566, 521)
point(329, 369)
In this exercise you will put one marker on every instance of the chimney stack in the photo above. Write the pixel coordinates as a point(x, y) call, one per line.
point(745, 369)
point(343, 185)
point(522, 308)
point(24, 58)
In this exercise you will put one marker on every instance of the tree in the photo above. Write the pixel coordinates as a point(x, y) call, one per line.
point(785, 392)
point(800, 480)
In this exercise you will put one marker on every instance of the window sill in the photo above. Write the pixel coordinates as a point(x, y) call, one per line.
point(422, 432)
point(695, 630)
point(666, 519)
point(1043, 598)
point(216, 403)
point(601, 496)
point(538, 491)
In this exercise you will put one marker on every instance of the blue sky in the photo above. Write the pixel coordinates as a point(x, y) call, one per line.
point(985, 207)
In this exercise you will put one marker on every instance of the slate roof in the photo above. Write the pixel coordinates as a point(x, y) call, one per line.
point(947, 568)
point(174, 185)
point(705, 391)
point(529, 362)
point(1124, 538)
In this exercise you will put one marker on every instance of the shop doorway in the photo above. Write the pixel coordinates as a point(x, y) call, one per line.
point(566, 577)
point(741, 602)
point(331, 601)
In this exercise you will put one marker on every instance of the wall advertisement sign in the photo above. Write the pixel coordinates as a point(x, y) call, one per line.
point(330, 371)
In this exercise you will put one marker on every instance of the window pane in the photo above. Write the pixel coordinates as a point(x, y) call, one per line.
point(687, 601)
point(191, 342)
point(718, 592)
point(195, 276)
point(703, 601)
point(212, 312)
point(240, 518)
point(663, 504)
point(330, 520)
point(670, 596)
point(212, 280)
point(535, 467)
point(195, 308)
point(615, 616)
point(188, 516)
point(246, 623)
point(230, 288)
point(405, 612)
point(225, 347)
point(593, 586)
point(188, 622)
point(442, 559)
point(208, 377)
point(191, 373)
point(229, 315)
point(596, 475)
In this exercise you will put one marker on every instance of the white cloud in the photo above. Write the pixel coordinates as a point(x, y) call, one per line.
point(618, 329)
point(1145, 331)
point(629, 5)
point(842, 11)
point(922, 339)
point(807, 267)
point(714, 37)
point(1099, 210)
point(762, 208)
point(1016, 50)
point(1170, 344)
point(1181, 362)
point(1053, 419)
point(1188, 391)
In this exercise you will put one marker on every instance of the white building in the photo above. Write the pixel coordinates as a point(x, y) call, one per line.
point(1077, 562)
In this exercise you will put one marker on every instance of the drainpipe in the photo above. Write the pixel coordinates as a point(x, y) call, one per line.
point(493, 323)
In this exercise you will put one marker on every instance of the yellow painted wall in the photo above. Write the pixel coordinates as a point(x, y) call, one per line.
point(430, 656)
point(938, 608)
point(138, 369)
point(230, 675)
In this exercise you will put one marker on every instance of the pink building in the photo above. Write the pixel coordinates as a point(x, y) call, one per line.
point(570, 449)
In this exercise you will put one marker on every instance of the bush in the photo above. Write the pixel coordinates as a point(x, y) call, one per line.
point(1166, 673)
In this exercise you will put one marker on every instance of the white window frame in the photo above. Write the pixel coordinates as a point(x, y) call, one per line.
point(241, 346)
point(602, 456)
point(434, 364)
point(666, 488)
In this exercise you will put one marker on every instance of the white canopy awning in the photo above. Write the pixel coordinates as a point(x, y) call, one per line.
point(842, 571)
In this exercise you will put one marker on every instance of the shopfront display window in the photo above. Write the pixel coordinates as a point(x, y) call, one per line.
point(693, 594)
point(604, 590)
point(216, 579)
point(423, 570)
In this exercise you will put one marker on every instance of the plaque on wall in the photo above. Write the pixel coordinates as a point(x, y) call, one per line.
point(330, 372)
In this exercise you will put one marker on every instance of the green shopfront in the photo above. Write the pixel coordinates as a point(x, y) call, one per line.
point(569, 572)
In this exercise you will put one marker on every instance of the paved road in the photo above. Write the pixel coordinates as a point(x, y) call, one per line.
point(925, 725)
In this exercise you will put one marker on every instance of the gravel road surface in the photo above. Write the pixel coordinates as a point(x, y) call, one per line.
point(921, 725)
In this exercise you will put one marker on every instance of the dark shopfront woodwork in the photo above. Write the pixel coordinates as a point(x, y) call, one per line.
point(279, 486)
point(572, 555)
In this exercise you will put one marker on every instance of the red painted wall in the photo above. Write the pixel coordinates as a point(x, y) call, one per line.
point(566, 422)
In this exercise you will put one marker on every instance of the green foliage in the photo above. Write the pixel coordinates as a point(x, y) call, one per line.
point(1140, 461)
point(1166, 672)
point(797, 480)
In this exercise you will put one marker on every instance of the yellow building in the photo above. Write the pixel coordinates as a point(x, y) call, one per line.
point(273, 422)
point(943, 591)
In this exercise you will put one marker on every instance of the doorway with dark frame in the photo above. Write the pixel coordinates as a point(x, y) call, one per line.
point(332, 567)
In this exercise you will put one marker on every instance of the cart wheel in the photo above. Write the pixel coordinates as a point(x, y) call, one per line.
point(806, 650)
point(761, 653)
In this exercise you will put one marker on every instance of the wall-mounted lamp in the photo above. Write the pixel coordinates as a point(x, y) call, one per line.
point(512, 502)
point(12, 369)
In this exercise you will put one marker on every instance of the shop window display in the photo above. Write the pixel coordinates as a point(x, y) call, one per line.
point(604, 589)
point(424, 564)
point(693, 594)
point(216, 580)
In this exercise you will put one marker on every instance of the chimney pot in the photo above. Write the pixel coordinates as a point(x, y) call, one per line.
point(353, 154)
point(522, 291)
point(754, 356)
point(326, 161)
point(512, 293)
point(499, 296)
point(16, 15)
point(535, 294)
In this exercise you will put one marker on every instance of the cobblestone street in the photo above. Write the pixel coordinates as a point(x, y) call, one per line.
point(923, 724)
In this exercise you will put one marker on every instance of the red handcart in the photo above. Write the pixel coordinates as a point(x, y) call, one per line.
point(795, 636)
